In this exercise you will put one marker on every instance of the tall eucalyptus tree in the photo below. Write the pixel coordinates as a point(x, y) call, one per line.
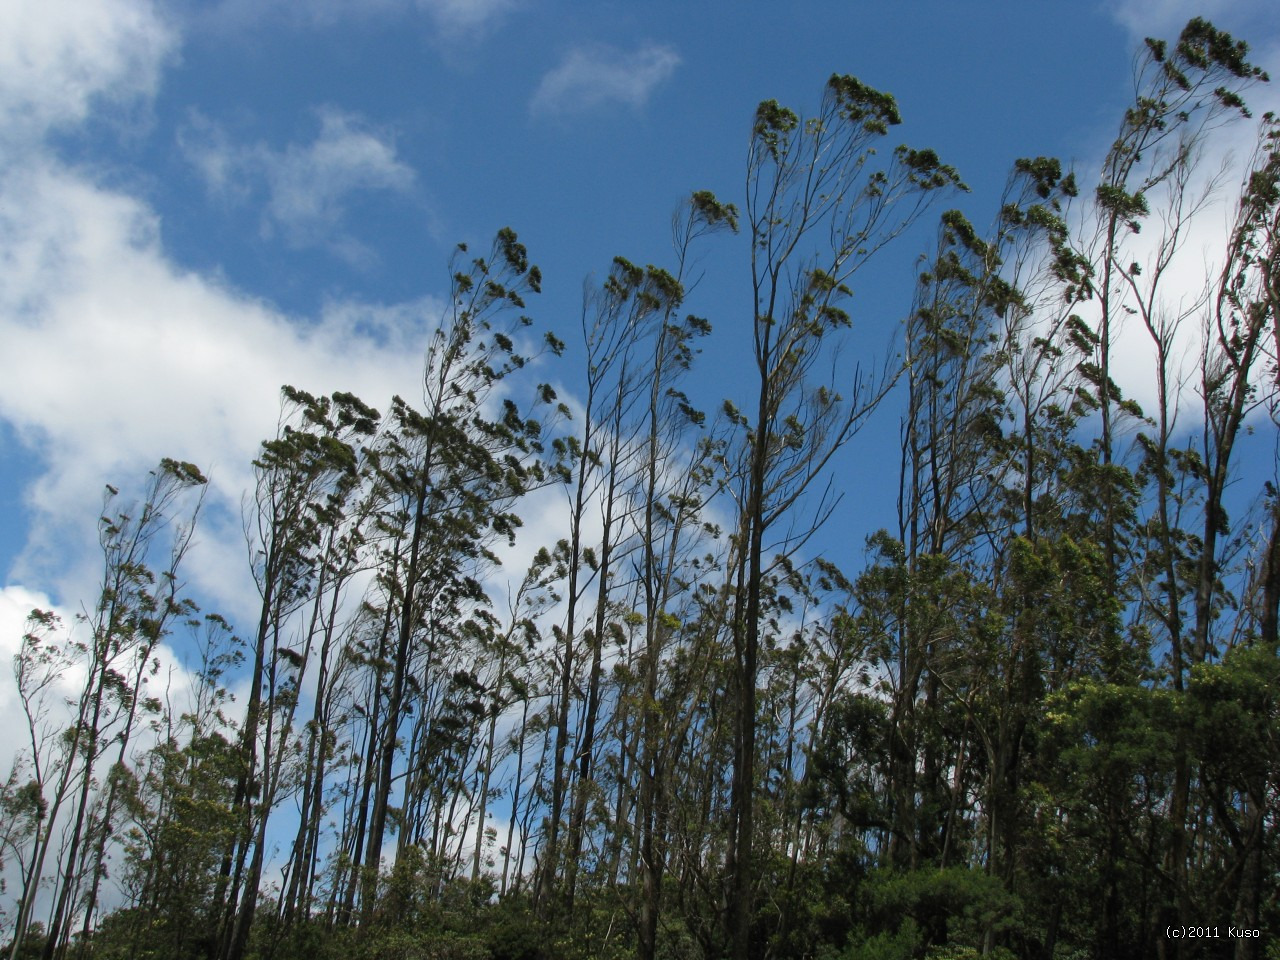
point(134, 612)
point(303, 475)
point(452, 469)
point(818, 208)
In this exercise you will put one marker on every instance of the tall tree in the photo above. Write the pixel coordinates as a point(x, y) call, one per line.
point(132, 615)
point(805, 179)
point(300, 473)
point(452, 468)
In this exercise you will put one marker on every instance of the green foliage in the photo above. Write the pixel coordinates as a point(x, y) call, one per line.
point(956, 905)
point(903, 943)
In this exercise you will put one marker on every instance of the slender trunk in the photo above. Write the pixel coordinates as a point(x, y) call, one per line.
point(104, 833)
point(486, 773)
point(742, 795)
point(549, 858)
point(352, 883)
point(300, 866)
point(515, 799)
point(237, 937)
point(227, 893)
point(60, 919)
point(586, 742)
point(407, 623)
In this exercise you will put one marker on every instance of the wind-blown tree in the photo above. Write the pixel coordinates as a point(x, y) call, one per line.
point(1265, 590)
point(135, 610)
point(41, 660)
point(818, 208)
point(638, 471)
point(595, 463)
point(137, 703)
point(954, 462)
point(340, 424)
point(1043, 720)
point(22, 811)
point(982, 644)
point(452, 470)
point(1235, 383)
point(677, 552)
point(181, 812)
point(303, 476)
point(504, 681)
point(134, 614)
point(1184, 94)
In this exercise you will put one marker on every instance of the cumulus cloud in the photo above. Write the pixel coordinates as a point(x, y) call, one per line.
point(307, 186)
point(61, 58)
point(593, 76)
point(115, 357)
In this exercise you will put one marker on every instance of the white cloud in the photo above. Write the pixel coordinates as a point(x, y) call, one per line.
point(208, 148)
point(451, 19)
point(115, 357)
point(594, 76)
point(1165, 18)
point(465, 16)
point(307, 185)
point(61, 58)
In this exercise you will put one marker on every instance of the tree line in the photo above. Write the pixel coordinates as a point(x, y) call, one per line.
point(1041, 721)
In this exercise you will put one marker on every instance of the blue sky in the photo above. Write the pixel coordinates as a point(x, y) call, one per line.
point(202, 201)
